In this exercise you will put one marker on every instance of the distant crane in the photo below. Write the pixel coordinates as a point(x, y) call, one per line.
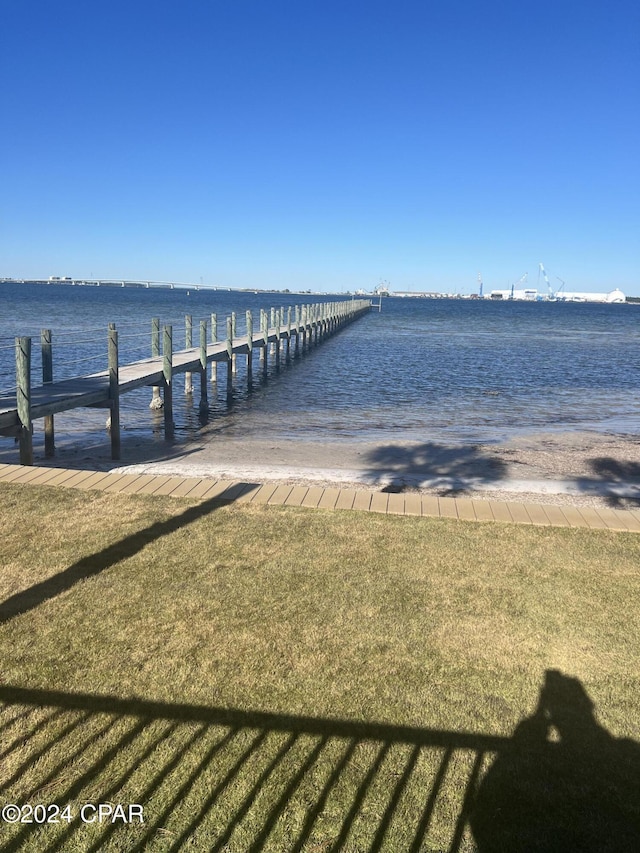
point(480, 283)
point(561, 286)
point(546, 278)
point(521, 280)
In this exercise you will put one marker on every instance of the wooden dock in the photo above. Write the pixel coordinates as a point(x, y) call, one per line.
point(302, 328)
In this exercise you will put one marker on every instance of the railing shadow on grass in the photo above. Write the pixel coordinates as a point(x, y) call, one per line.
point(231, 780)
point(618, 481)
point(451, 469)
point(94, 564)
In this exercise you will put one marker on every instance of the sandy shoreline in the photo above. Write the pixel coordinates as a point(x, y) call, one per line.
point(579, 468)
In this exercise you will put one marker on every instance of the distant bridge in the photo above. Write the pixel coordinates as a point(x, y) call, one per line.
point(113, 282)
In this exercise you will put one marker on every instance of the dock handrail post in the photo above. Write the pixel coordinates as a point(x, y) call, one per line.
point(288, 356)
point(23, 399)
point(47, 376)
point(229, 356)
point(167, 370)
point(277, 324)
point(214, 340)
point(249, 323)
point(234, 365)
point(156, 399)
point(272, 317)
point(114, 392)
point(204, 405)
point(188, 344)
point(297, 347)
point(264, 329)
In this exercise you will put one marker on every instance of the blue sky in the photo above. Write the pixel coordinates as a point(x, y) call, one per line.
point(324, 145)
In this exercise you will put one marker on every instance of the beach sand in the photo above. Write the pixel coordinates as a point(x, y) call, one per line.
point(581, 468)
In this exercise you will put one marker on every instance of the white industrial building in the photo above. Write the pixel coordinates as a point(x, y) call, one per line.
point(532, 295)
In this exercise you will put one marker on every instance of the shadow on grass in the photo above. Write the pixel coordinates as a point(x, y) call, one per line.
point(92, 565)
point(563, 783)
point(449, 468)
point(618, 481)
point(225, 779)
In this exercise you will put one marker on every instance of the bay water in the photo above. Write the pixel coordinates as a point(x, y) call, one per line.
point(457, 370)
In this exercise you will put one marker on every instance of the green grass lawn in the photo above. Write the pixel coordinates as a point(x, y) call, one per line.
point(271, 678)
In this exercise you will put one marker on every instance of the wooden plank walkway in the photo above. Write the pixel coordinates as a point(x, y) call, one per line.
point(331, 498)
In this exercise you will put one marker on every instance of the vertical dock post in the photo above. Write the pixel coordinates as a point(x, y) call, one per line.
point(47, 376)
point(167, 370)
point(23, 399)
point(156, 399)
point(264, 328)
point(214, 340)
point(204, 404)
point(114, 392)
point(188, 344)
point(229, 356)
point(277, 324)
point(289, 333)
point(297, 349)
point(271, 325)
point(234, 365)
point(249, 322)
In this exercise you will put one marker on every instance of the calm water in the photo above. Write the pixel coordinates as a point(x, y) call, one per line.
point(448, 369)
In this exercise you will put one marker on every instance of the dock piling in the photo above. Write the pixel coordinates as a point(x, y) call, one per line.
point(47, 377)
point(229, 356)
point(234, 366)
point(278, 318)
point(204, 402)
point(23, 399)
point(272, 317)
point(264, 329)
point(114, 392)
point(249, 324)
point(156, 399)
point(214, 340)
point(167, 370)
point(188, 344)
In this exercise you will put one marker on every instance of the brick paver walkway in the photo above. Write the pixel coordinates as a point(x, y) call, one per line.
point(367, 500)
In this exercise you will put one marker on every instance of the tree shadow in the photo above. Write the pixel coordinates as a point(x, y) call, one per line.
point(618, 481)
point(28, 599)
point(450, 469)
point(228, 779)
